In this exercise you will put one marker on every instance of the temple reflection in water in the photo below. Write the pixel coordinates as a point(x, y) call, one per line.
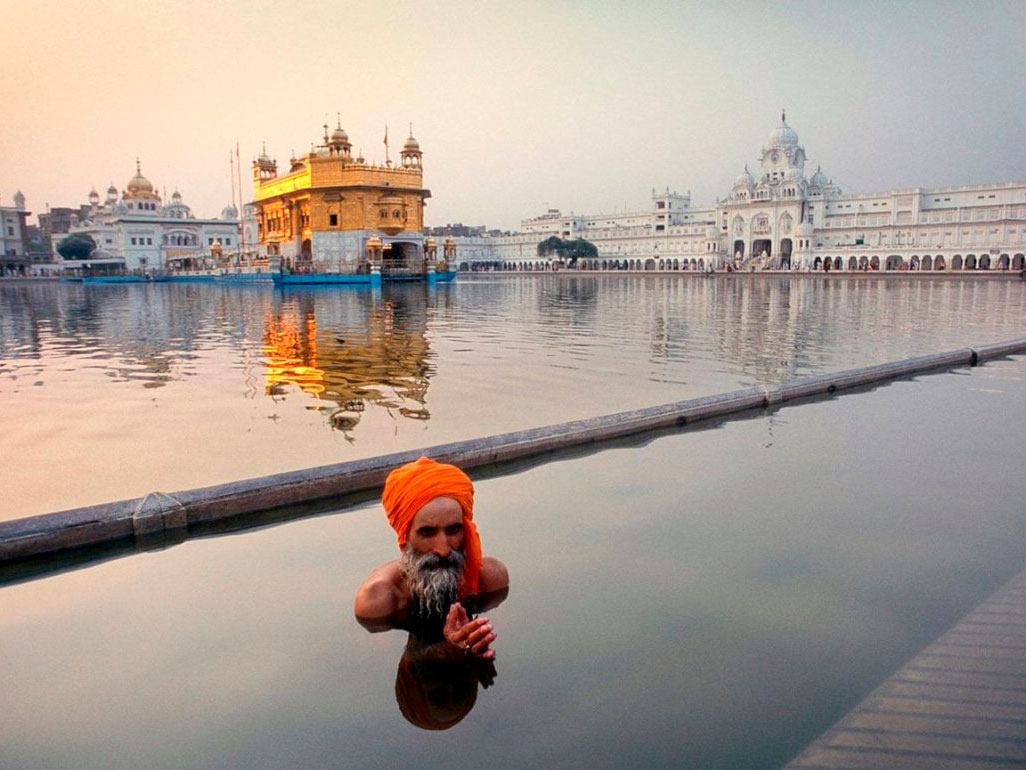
point(314, 342)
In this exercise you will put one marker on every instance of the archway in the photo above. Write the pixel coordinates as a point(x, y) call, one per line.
point(927, 263)
point(853, 264)
point(874, 263)
point(739, 249)
point(762, 245)
point(662, 264)
point(970, 262)
point(984, 261)
point(913, 262)
point(786, 247)
point(956, 262)
point(306, 250)
point(894, 262)
point(940, 263)
point(863, 262)
point(701, 264)
point(838, 263)
point(1018, 261)
point(650, 264)
point(1003, 262)
point(817, 263)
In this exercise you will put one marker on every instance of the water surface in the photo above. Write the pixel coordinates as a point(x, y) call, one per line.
point(704, 599)
point(110, 392)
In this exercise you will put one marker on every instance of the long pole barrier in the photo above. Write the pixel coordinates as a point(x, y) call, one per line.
point(160, 517)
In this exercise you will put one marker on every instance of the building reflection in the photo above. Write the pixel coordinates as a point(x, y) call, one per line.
point(350, 350)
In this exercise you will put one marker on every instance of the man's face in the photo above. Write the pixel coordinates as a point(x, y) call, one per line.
point(432, 561)
point(437, 528)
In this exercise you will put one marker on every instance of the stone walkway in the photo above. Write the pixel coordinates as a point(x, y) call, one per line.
point(959, 704)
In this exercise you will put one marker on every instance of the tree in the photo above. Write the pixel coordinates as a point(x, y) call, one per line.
point(568, 251)
point(76, 246)
point(549, 245)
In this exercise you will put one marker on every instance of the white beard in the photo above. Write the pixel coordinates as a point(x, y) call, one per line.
point(434, 582)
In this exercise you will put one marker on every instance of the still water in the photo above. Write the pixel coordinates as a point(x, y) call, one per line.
point(110, 392)
point(702, 599)
point(708, 598)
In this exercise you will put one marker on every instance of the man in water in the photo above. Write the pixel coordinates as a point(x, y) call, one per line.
point(430, 506)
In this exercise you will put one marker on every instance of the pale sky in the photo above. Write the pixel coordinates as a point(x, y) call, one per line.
point(518, 106)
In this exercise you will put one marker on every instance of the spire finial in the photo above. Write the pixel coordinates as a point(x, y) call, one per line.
point(783, 115)
point(138, 172)
point(339, 116)
point(411, 129)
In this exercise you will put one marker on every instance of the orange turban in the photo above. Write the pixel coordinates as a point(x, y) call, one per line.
point(412, 486)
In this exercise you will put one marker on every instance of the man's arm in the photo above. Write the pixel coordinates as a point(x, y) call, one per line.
point(378, 597)
point(494, 575)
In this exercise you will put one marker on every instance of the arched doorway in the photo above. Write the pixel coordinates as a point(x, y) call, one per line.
point(927, 263)
point(863, 263)
point(984, 261)
point(739, 249)
point(940, 263)
point(1019, 261)
point(1003, 262)
point(838, 263)
point(817, 263)
point(970, 262)
point(762, 245)
point(956, 262)
point(894, 262)
point(853, 264)
point(913, 262)
point(306, 251)
point(786, 247)
point(874, 263)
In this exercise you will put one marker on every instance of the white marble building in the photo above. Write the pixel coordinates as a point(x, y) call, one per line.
point(147, 234)
point(781, 217)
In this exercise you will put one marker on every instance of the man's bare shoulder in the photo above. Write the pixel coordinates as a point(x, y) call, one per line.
point(381, 594)
point(494, 575)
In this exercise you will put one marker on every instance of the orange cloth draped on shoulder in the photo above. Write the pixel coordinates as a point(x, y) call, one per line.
point(412, 486)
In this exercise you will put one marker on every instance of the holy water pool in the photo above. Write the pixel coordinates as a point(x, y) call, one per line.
point(110, 392)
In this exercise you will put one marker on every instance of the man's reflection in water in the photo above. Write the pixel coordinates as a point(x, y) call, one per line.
point(433, 590)
point(437, 681)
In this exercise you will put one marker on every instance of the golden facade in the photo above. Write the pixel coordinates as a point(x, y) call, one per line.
point(329, 203)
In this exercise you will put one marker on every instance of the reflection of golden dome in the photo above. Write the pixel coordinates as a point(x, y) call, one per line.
point(216, 250)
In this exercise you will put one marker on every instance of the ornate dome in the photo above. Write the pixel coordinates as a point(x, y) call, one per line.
point(339, 136)
point(412, 144)
point(139, 183)
point(745, 178)
point(112, 192)
point(264, 157)
point(19, 200)
point(176, 197)
point(94, 197)
point(229, 212)
point(783, 136)
point(819, 179)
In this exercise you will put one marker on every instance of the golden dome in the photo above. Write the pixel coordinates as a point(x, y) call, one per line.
point(139, 183)
point(411, 144)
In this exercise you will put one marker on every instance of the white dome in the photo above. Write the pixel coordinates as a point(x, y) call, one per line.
point(229, 212)
point(19, 200)
point(819, 179)
point(783, 136)
point(744, 179)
